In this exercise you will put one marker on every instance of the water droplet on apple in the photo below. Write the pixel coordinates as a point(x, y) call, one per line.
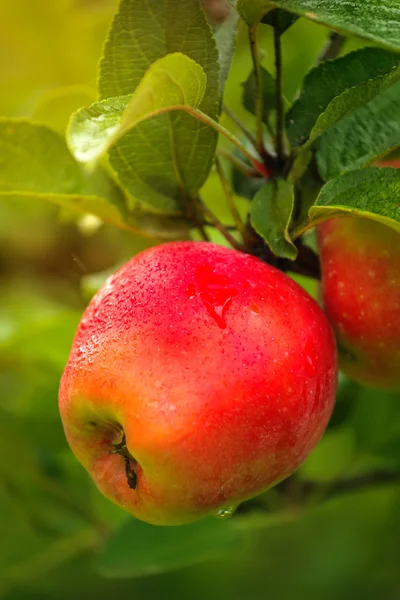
point(224, 513)
point(191, 291)
point(216, 292)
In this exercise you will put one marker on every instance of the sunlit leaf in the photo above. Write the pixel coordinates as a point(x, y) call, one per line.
point(172, 81)
point(164, 160)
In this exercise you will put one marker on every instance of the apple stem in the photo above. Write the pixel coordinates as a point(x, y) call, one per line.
point(121, 449)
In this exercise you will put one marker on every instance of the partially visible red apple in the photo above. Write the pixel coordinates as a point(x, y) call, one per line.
point(360, 261)
point(393, 162)
point(199, 377)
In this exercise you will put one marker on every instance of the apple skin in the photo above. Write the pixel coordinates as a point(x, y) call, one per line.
point(360, 260)
point(220, 370)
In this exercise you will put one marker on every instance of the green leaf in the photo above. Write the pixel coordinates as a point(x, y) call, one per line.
point(268, 92)
point(371, 192)
point(225, 37)
point(281, 20)
point(162, 160)
point(142, 33)
point(139, 549)
point(334, 89)
point(271, 213)
point(361, 137)
point(35, 158)
point(172, 81)
point(376, 424)
point(244, 186)
point(35, 163)
point(45, 341)
point(376, 20)
point(56, 106)
point(81, 204)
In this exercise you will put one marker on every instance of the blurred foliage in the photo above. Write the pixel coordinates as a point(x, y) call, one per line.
point(57, 530)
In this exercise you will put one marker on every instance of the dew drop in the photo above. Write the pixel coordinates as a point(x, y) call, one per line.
point(216, 292)
point(191, 291)
point(224, 513)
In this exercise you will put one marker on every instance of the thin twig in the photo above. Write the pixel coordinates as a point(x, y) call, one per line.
point(279, 96)
point(332, 47)
point(240, 125)
point(372, 479)
point(215, 222)
point(203, 232)
point(259, 100)
point(239, 164)
point(303, 491)
point(229, 199)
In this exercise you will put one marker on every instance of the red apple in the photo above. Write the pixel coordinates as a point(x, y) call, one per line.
point(199, 377)
point(360, 261)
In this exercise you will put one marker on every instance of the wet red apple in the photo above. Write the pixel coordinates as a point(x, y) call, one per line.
point(199, 377)
point(360, 261)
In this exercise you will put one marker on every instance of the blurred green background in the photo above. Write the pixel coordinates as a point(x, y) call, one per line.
point(56, 530)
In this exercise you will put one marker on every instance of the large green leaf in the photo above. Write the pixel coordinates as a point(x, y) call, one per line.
point(164, 159)
point(172, 81)
point(362, 136)
point(35, 162)
point(333, 89)
point(271, 213)
point(37, 165)
point(371, 192)
point(376, 20)
point(139, 549)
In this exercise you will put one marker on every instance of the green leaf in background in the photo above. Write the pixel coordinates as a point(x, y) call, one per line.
point(380, 436)
point(56, 106)
point(375, 20)
point(361, 137)
point(280, 19)
point(371, 192)
point(139, 549)
point(143, 32)
point(268, 93)
point(335, 88)
point(172, 81)
point(35, 162)
point(244, 186)
point(271, 213)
